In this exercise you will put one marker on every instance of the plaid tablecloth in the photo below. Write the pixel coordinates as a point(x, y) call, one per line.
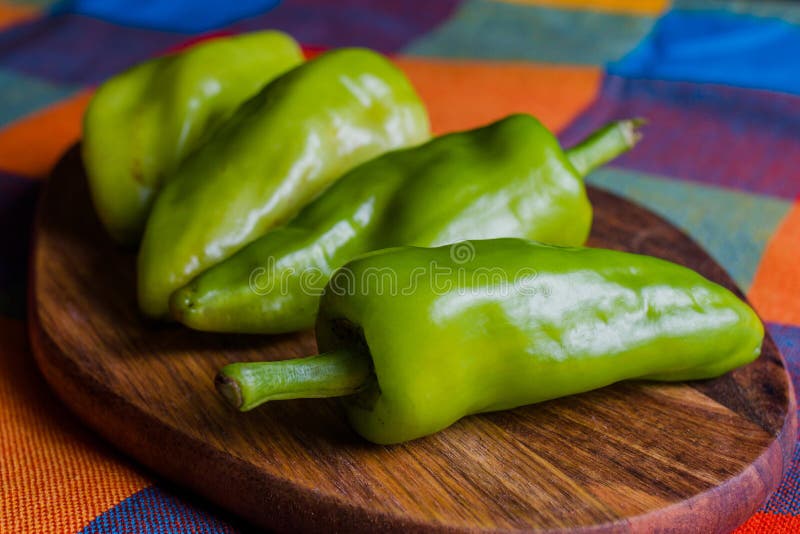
point(718, 80)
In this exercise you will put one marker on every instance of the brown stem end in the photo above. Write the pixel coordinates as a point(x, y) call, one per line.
point(229, 389)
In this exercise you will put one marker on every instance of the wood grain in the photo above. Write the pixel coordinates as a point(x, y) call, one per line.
point(632, 457)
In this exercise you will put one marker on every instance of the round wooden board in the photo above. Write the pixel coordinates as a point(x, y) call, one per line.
point(697, 457)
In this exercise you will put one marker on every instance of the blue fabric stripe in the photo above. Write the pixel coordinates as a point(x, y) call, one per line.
point(189, 16)
point(154, 511)
point(719, 47)
point(481, 29)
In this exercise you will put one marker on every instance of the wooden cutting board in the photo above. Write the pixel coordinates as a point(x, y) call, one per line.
point(697, 457)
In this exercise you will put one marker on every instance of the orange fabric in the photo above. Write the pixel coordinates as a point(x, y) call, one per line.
point(12, 14)
point(762, 522)
point(634, 7)
point(54, 477)
point(31, 146)
point(465, 94)
point(775, 291)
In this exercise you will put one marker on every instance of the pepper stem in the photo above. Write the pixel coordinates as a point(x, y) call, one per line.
point(605, 144)
point(333, 374)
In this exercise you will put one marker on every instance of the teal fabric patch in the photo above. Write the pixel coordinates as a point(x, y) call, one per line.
point(22, 95)
point(779, 9)
point(732, 226)
point(481, 29)
point(39, 3)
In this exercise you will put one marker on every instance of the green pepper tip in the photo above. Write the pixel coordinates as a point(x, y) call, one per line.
point(182, 302)
point(229, 388)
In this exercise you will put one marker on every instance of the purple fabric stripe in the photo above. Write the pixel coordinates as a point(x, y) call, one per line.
point(726, 136)
point(384, 25)
point(78, 50)
point(786, 500)
point(787, 337)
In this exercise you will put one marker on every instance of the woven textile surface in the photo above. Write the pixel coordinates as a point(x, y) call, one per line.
point(719, 82)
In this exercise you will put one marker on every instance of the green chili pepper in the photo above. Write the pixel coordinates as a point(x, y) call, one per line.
point(508, 179)
point(275, 154)
point(142, 123)
point(418, 338)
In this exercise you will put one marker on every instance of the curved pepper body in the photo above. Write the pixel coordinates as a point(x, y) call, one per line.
point(275, 154)
point(142, 123)
point(510, 178)
point(517, 323)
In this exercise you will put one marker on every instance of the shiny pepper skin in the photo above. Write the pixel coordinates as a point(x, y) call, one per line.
point(516, 322)
point(275, 154)
point(142, 123)
point(508, 179)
